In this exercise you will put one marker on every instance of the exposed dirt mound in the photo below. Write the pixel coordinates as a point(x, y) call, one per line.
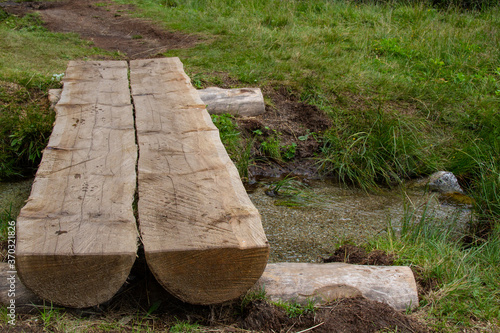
point(295, 122)
point(356, 255)
point(345, 315)
point(109, 25)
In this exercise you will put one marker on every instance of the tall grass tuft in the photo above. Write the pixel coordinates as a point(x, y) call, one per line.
point(460, 280)
point(25, 127)
point(383, 148)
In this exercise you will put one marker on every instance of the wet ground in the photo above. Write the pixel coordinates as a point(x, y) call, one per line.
point(327, 214)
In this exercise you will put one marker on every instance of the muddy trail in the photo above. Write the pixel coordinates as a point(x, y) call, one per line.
point(108, 25)
point(111, 26)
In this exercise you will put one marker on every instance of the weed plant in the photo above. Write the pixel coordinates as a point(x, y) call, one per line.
point(294, 309)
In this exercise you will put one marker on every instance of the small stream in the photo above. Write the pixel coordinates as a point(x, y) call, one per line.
point(332, 214)
point(339, 214)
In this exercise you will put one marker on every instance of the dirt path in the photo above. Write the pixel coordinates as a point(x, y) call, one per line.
point(109, 25)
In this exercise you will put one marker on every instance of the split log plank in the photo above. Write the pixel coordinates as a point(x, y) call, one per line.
point(203, 238)
point(77, 234)
point(323, 283)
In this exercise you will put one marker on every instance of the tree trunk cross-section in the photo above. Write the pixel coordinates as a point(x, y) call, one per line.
point(77, 235)
point(202, 236)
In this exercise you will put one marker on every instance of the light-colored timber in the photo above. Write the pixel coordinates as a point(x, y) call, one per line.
point(202, 236)
point(245, 102)
point(324, 283)
point(77, 235)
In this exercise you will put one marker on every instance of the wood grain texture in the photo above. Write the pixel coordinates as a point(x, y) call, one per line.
point(323, 283)
point(202, 236)
point(77, 235)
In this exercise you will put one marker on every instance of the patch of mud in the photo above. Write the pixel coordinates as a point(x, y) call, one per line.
point(345, 315)
point(294, 122)
point(108, 25)
point(352, 254)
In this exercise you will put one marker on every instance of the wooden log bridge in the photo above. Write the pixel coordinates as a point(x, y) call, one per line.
point(77, 236)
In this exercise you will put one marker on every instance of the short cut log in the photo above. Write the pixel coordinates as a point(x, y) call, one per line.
point(245, 102)
point(77, 234)
point(203, 238)
point(324, 283)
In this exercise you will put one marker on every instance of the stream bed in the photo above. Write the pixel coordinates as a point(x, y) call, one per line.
point(335, 214)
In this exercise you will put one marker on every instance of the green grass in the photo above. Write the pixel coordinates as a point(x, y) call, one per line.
point(410, 89)
point(237, 147)
point(384, 148)
point(294, 309)
point(184, 327)
point(31, 62)
point(412, 83)
point(464, 275)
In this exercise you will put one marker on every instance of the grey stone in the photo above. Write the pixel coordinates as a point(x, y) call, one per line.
point(443, 182)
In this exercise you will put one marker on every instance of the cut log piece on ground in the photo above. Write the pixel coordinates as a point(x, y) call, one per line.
point(77, 235)
point(323, 283)
point(244, 102)
point(202, 236)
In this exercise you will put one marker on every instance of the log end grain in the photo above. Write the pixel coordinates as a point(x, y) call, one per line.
point(208, 276)
point(75, 281)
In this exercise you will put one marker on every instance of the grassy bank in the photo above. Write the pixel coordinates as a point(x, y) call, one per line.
point(411, 89)
point(460, 281)
point(31, 62)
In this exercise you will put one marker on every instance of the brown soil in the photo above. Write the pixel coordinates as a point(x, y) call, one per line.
point(111, 27)
point(345, 315)
point(296, 122)
point(352, 254)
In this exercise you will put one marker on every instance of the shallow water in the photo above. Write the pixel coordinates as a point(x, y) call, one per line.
point(306, 234)
point(339, 214)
